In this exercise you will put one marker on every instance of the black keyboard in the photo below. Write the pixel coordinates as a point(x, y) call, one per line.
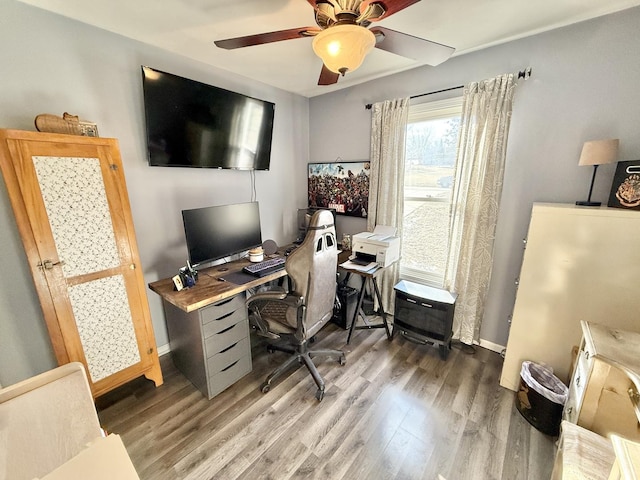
point(261, 269)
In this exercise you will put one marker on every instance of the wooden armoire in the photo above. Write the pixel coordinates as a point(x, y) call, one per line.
point(71, 205)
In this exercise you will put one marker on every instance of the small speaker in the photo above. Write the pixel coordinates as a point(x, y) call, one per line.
point(270, 247)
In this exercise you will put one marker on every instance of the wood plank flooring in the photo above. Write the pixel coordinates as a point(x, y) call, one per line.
point(394, 411)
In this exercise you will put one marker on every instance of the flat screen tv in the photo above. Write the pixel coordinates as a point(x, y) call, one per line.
point(217, 232)
point(192, 124)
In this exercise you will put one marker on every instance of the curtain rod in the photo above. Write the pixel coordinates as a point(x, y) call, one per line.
point(526, 73)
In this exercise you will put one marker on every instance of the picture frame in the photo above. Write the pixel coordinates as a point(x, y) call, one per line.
point(625, 189)
point(343, 186)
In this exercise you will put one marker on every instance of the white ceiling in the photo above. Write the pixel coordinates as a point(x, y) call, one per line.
point(189, 27)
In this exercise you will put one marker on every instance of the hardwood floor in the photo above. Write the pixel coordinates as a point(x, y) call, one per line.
point(394, 411)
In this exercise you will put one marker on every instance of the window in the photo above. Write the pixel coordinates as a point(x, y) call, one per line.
point(431, 143)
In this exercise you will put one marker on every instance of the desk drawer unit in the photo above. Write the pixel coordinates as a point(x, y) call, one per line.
point(210, 346)
point(424, 314)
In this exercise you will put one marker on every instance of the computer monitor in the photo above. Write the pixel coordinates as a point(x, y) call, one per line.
point(217, 232)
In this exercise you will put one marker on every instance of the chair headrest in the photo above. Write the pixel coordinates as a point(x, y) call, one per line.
point(321, 220)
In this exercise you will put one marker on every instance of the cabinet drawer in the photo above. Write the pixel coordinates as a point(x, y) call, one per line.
point(426, 317)
point(222, 360)
point(224, 322)
point(225, 338)
point(229, 375)
point(221, 309)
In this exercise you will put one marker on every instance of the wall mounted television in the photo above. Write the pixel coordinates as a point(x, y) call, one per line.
point(192, 124)
point(220, 231)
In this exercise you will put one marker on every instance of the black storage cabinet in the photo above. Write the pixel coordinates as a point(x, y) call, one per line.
point(424, 314)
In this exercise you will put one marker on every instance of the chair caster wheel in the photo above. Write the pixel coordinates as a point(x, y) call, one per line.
point(319, 395)
point(265, 388)
point(343, 361)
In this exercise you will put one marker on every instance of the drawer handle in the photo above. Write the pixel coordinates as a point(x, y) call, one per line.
point(225, 301)
point(410, 300)
point(224, 316)
point(227, 368)
point(228, 348)
point(569, 410)
point(427, 305)
point(578, 381)
point(225, 330)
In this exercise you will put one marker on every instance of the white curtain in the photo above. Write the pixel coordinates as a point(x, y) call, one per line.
point(386, 188)
point(486, 114)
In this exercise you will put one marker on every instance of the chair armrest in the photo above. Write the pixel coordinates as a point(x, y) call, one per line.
point(290, 299)
point(267, 294)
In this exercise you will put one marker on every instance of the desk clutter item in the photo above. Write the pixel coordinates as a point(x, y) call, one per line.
point(256, 254)
point(625, 190)
point(68, 124)
point(425, 314)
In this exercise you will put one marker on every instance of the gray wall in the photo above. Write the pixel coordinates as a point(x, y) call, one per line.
point(51, 64)
point(584, 87)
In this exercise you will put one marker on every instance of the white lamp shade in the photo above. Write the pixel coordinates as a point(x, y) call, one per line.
point(599, 152)
point(342, 48)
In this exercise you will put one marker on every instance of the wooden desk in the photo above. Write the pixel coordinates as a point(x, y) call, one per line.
point(208, 325)
point(209, 288)
point(371, 276)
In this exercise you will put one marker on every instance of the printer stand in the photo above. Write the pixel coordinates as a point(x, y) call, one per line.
point(366, 276)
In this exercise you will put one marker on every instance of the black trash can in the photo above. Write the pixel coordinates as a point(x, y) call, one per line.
point(541, 398)
point(348, 299)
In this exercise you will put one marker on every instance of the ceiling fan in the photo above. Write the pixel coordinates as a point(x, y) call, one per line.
point(342, 38)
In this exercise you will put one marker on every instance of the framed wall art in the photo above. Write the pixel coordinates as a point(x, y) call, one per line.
point(343, 186)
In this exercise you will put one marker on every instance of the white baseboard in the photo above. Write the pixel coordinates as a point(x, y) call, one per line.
point(164, 349)
point(494, 347)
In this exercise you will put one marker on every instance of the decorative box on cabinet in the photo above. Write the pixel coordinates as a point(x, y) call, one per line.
point(603, 393)
point(211, 345)
point(580, 263)
point(70, 201)
point(424, 314)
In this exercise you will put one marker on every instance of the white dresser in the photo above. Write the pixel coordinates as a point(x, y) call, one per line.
point(580, 263)
point(603, 392)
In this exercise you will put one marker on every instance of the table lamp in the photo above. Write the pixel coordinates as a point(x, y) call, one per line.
point(597, 152)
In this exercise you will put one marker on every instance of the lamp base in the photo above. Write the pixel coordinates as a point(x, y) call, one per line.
point(588, 204)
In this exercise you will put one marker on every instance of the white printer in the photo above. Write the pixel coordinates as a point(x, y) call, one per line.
point(380, 246)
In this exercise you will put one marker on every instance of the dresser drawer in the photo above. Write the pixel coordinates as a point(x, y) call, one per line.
point(229, 375)
point(222, 323)
point(423, 316)
point(227, 337)
point(221, 309)
point(234, 352)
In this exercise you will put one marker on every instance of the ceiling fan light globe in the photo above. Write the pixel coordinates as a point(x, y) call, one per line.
point(343, 47)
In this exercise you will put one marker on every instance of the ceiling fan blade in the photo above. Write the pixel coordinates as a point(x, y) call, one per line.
point(269, 37)
point(327, 77)
point(390, 6)
point(424, 51)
